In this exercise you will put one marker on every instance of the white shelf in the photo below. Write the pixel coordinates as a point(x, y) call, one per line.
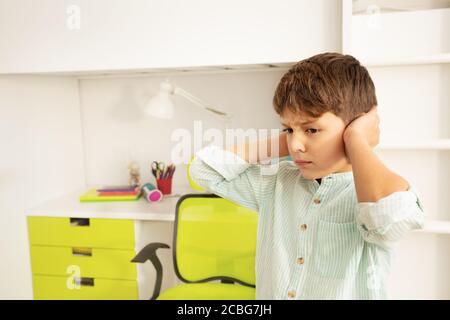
point(167, 72)
point(386, 6)
point(438, 144)
point(436, 226)
point(405, 61)
point(400, 38)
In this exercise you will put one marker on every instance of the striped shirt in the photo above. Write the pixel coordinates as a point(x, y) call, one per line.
point(315, 241)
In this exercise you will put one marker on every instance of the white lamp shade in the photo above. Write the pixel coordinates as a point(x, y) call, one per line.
point(161, 105)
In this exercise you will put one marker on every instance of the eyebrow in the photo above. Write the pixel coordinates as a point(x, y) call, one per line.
point(302, 123)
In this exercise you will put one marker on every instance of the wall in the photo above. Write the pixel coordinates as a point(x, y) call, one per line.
point(41, 158)
point(116, 130)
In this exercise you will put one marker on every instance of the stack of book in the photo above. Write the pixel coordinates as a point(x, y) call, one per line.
point(112, 193)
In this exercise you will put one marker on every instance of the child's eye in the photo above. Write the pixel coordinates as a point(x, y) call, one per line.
point(288, 130)
point(312, 130)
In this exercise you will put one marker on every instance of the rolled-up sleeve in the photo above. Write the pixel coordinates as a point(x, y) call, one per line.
point(224, 173)
point(387, 220)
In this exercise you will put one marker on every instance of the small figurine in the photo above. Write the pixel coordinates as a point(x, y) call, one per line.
point(135, 176)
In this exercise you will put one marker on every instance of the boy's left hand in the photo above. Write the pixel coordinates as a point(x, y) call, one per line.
point(365, 128)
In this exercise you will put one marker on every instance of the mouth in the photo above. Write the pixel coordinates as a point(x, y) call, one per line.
point(302, 163)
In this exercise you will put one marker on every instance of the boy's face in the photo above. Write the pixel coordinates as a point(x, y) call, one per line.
point(319, 142)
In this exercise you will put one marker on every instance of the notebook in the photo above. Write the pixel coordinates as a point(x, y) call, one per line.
point(92, 195)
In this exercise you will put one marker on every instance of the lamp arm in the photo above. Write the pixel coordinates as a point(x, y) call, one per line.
point(199, 103)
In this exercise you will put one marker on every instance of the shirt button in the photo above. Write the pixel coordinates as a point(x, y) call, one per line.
point(316, 201)
point(291, 294)
point(303, 227)
point(300, 261)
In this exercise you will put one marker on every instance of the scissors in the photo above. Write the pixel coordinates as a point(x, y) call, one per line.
point(158, 168)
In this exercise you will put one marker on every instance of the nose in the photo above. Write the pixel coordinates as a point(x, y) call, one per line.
point(297, 144)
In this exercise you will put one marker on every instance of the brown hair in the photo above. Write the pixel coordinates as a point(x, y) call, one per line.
point(326, 82)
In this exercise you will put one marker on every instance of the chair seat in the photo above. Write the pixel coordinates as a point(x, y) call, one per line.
point(208, 291)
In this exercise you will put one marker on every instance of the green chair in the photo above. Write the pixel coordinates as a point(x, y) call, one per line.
point(214, 239)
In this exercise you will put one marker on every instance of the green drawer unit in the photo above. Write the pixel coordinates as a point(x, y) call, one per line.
point(82, 258)
point(67, 288)
point(91, 262)
point(81, 232)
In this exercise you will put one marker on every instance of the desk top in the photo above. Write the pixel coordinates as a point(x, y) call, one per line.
point(70, 206)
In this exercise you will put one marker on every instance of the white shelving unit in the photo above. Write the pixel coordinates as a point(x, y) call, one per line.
point(406, 47)
point(100, 37)
point(405, 61)
point(439, 227)
point(437, 144)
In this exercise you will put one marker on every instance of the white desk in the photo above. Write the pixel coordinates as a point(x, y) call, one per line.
point(69, 206)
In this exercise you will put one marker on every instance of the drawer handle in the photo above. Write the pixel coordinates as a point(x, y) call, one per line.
point(84, 282)
point(82, 252)
point(80, 222)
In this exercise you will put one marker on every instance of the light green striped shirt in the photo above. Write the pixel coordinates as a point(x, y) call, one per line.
point(315, 241)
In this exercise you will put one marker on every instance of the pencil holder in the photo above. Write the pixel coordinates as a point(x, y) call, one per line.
point(164, 185)
point(151, 193)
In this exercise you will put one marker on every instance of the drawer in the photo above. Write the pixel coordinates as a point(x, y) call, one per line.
point(65, 288)
point(88, 262)
point(80, 232)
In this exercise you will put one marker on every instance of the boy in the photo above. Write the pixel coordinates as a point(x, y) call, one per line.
point(328, 220)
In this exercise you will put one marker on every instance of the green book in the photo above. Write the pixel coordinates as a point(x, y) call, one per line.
point(93, 196)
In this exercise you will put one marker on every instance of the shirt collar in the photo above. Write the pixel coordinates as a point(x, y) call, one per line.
point(339, 177)
point(332, 180)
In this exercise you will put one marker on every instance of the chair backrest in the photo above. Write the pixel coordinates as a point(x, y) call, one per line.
point(214, 238)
